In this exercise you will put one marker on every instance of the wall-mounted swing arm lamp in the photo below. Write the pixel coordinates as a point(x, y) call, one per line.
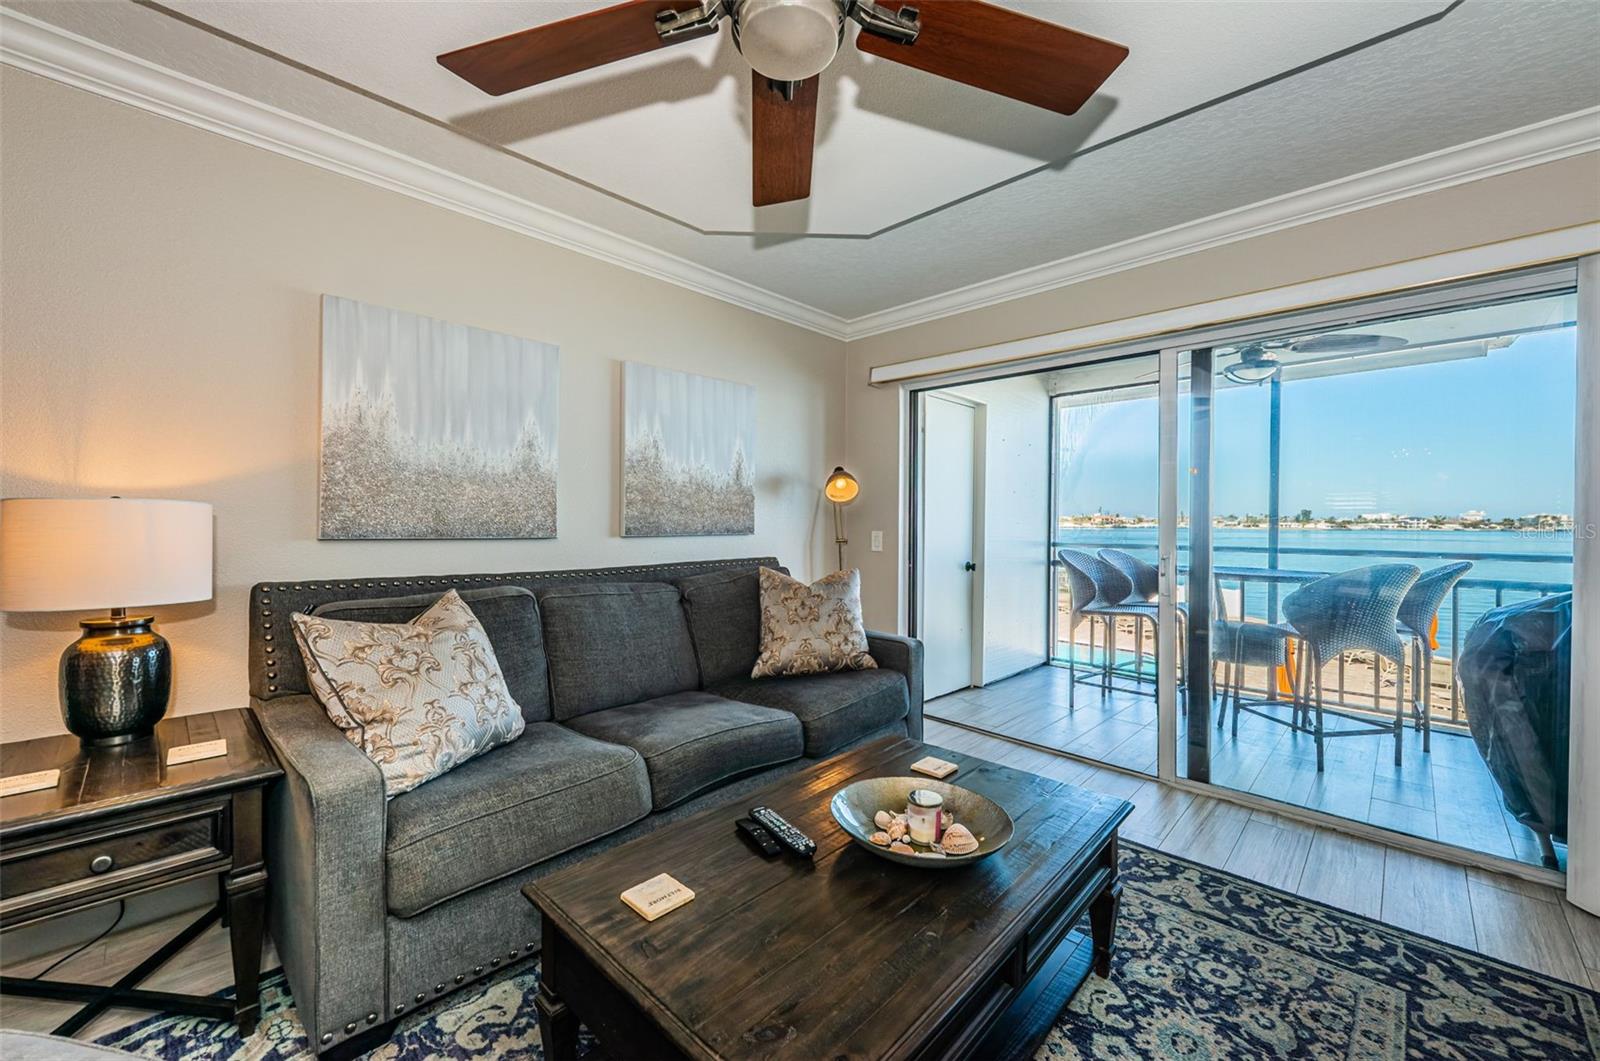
point(841, 488)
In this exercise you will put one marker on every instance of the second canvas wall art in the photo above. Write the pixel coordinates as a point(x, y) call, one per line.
point(434, 430)
point(688, 464)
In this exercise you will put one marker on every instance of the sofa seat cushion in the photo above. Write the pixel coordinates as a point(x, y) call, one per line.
point(546, 792)
point(693, 741)
point(834, 709)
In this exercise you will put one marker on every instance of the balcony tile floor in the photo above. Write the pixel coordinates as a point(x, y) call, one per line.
point(1446, 795)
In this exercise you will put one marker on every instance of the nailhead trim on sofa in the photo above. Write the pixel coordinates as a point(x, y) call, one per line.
point(276, 600)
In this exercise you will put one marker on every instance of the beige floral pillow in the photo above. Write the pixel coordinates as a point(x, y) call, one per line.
point(811, 629)
point(419, 698)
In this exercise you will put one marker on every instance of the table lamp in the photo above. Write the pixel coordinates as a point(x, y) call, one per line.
point(76, 555)
point(841, 488)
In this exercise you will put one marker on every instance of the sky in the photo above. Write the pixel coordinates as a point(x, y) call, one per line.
point(1493, 433)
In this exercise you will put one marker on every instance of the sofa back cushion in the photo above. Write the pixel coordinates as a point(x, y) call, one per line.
point(275, 673)
point(509, 615)
point(724, 609)
point(611, 644)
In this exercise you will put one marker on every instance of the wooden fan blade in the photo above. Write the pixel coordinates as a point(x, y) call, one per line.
point(1003, 52)
point(783, 133)
point(581, 42)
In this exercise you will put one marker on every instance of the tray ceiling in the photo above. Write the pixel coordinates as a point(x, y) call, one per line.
point(1445, 95)
point(670, 131)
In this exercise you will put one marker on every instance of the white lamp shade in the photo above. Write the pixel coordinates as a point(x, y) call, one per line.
point(60, 555)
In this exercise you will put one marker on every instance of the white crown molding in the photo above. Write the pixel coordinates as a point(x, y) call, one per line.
point(49, 51)
point(1531, 145)
point(1187, 325)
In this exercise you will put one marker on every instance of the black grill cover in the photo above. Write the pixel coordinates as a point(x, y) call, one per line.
point(1516, 679)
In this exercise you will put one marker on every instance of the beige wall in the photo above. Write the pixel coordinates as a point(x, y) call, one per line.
point(159, 331)
point(1554, 195)
point(159, 337)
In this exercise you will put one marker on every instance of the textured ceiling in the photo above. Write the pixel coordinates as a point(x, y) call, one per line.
point(1483, 68)
point(683, 112)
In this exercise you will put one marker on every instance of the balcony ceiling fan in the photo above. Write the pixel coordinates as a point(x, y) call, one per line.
point(788, 43)
point(1258, 362)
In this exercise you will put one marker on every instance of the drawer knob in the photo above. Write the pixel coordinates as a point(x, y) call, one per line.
point(100, 864)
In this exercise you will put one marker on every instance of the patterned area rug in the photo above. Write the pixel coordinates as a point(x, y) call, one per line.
point(1208, 965)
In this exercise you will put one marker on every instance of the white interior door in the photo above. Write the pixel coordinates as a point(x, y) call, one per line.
point(948, 481)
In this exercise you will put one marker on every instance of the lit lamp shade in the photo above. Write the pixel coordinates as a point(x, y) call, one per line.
point(61, 555)
point(841, 487)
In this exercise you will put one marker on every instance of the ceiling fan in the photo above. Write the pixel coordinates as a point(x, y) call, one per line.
point(1259, 362)
point(788, 43)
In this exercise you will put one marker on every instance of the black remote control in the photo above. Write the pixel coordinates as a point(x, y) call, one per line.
point(783, 832)
point(758, 837)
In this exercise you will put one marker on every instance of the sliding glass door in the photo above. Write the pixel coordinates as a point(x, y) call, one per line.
point(1037, 575)
point(1322, 563)
point(1378, 525)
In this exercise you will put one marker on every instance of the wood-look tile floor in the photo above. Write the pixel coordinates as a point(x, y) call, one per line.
point(1446, 794)
point(1517, 921)
point(204, 966)
point(1527, 924)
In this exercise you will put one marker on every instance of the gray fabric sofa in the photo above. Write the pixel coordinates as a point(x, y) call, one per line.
point(634, 683)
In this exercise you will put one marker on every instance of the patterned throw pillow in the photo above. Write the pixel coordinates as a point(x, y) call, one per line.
point(419, 698)
point(811, 629)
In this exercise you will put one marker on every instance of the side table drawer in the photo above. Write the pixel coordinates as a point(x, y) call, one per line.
point(76, 866)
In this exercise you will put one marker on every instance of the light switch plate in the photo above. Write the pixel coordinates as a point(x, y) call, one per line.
point(877, 541)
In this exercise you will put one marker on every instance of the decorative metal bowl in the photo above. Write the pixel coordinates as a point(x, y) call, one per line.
point(855, 806)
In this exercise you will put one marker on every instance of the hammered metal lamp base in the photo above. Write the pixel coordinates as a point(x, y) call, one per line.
point(116, 680)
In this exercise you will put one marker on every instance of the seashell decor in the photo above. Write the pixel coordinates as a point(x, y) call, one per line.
point(892, 833)
point(958, 840)
point(873, 811)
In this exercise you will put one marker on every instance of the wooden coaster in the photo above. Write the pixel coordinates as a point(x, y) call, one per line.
point(659, 895)
point(17, 784)
point(189, 753)
point(933, 767)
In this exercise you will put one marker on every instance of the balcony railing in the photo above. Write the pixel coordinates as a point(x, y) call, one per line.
point(1468, 601)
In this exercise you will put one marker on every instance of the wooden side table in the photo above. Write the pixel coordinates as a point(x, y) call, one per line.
point(121, 822)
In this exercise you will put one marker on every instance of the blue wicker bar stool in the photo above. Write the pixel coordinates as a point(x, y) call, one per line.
point(1240, 644)
point(1352, 611)
point(1082, 588)
point(1146, 579)
point(1421, 604)
point(1112, 593)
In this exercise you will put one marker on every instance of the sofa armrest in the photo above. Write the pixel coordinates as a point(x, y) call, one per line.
point(903, 654)
point(325, 864)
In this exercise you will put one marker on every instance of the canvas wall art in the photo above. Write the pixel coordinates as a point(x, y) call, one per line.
point(688, 463)
point(434, 430)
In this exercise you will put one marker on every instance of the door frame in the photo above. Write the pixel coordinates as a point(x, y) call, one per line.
point(1426, 295)
point(916, 591)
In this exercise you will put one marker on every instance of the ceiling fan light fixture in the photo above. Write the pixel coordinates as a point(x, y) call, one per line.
point(1255, 365)
point(788, 40)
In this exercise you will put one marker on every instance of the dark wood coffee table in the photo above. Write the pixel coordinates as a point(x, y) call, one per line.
point(849, 955)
